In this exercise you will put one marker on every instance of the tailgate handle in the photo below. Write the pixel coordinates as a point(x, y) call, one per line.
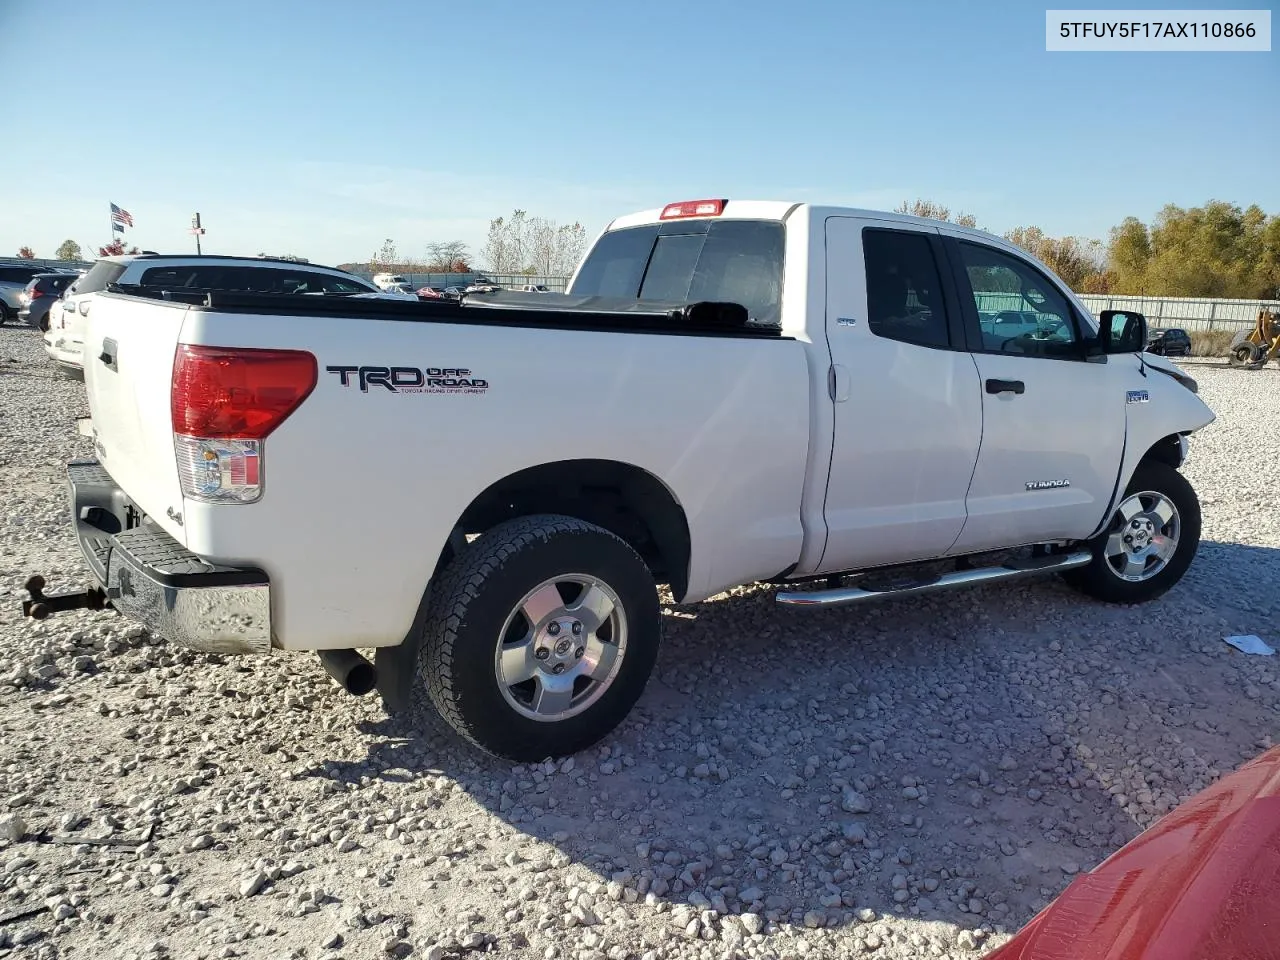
point(109, 355)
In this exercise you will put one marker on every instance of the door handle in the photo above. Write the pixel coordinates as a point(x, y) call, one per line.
point(838, 382)
point(1006, 386)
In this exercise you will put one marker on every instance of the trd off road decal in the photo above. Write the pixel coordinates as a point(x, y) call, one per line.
point(411, 379)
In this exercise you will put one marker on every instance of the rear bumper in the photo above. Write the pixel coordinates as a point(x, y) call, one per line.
point(69, 370)
point(151, 578)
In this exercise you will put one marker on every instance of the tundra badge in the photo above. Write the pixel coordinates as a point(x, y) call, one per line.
point(1047, 484)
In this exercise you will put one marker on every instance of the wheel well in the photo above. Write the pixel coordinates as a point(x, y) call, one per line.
point(622, 498)
point(1166, 450)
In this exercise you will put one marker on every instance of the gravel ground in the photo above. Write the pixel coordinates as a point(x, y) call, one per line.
point(913, 779)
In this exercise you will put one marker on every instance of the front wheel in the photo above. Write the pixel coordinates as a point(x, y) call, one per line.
point(1149, 543)
point(540, 637)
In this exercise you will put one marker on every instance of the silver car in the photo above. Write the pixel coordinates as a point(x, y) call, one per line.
point(13, 280)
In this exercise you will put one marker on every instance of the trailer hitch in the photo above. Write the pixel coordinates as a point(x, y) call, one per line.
point(40, 606)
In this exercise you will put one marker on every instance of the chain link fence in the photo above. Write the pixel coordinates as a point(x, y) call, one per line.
point(1188, 313)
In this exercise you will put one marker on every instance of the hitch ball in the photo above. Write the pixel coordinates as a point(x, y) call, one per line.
point(35, 587)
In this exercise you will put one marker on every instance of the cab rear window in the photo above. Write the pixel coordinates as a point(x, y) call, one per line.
point(738, 261)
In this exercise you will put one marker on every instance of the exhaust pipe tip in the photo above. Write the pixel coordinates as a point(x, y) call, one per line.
point(354, 673)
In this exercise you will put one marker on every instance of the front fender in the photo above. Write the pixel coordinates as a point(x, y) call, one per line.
point(1170, 410)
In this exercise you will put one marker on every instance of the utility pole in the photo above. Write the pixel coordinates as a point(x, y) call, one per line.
point(197, 230)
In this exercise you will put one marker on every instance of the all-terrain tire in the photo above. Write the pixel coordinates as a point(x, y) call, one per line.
point(1099, 580)
point(470, 604)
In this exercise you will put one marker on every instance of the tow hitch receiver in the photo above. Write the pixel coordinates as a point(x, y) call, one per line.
point(40, 606)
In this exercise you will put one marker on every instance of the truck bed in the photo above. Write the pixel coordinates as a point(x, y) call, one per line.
point(550, 311)
point(363, 485)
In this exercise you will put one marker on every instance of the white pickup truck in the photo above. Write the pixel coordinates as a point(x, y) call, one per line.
point(843, 403)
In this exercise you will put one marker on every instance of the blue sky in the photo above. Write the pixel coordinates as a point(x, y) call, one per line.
point(320, 128)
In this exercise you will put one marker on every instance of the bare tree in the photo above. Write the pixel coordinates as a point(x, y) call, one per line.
point(385, 257)
point(935, 211)
point(533, 245)
point(571, 245)
point(450, 256)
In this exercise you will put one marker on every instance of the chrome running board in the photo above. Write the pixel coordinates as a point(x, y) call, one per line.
point(840, 596)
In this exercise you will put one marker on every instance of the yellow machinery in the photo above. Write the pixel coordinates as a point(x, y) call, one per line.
point(1252, 349)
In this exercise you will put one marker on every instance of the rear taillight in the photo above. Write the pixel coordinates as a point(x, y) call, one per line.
point(224, 402)
point(693, 208)
point(36, 294)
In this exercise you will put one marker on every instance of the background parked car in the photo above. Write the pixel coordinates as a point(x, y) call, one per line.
point(454, 293)
point(394, 283)
point(1171, 342)
point(482, 285)
point(431, 293)
point(13, 280)
point(39, 295)
point(64, 340)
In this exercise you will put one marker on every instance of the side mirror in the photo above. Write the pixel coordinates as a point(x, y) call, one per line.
point(1122, 331)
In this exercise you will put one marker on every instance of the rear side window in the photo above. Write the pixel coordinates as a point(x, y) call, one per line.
point(100, 274)
point(245, 279)
point(904, 288)
point(736, 261)
point(17, 274)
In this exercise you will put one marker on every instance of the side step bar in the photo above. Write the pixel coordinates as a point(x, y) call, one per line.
point(841, 596)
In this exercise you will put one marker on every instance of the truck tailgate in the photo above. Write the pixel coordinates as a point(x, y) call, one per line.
point(128, 371)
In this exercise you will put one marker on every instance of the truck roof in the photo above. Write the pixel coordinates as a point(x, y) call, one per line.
point(783, 209)
point(214, 257)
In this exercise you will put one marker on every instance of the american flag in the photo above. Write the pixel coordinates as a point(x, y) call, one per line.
point(121, 216)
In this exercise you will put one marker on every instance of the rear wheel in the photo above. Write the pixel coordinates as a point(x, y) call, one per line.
point(5, 315)
point(1149, 543)
point(540, 637)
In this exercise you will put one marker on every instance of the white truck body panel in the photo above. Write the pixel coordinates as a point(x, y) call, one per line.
point(133, 433)
point(370, 484)
point(906, 434)
point(829, 449)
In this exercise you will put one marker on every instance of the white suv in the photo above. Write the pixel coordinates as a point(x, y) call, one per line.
point(64, 340)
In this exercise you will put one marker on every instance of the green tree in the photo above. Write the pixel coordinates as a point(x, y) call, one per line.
point(70, 250)
point(1129, 255)
point(1216, 250)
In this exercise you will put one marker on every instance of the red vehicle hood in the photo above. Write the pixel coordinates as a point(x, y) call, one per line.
point(1202, 883)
